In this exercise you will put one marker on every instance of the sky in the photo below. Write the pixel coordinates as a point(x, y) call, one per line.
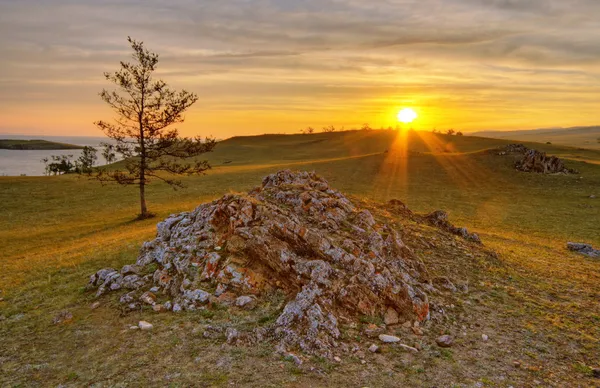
point(270, 66)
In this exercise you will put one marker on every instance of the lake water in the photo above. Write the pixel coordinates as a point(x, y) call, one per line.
point(24, 162)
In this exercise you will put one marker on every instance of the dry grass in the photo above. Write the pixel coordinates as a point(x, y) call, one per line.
point(537, 302)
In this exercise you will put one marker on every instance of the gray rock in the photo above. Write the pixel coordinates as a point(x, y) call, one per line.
point(245, 301)
point(232, 335)
point(374, 348)
point(584, 249)
point(145, 326)
point(391, 317)
point(388, 339)
point(444, 341)
point(408, 348)
point(295, 359)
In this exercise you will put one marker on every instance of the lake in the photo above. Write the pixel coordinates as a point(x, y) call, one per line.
point(26, 162)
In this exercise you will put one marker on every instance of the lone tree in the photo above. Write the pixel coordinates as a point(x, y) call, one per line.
point(145, 108)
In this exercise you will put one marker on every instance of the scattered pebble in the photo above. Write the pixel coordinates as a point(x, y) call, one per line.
point(63, 317)
point(409, 348)
point(517, 364)
point(337, 359)
point(133, 328)
point(143, 325)
point(374, 348)
point(484, 337)
point(95, 305)
point(444, 341)
point(388, 339)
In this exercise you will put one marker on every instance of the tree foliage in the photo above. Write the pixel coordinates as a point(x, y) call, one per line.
point(145, 110)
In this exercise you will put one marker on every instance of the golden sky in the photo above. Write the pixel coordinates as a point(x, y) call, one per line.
point(269, 66)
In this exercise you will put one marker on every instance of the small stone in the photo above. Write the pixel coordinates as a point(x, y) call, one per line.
point(374, 348)
point(168, 305)
point(596, 372)
point(409, 348)
point(63, 317)
point(159, 308)
point(484, 337)
point(337, 359)
point(294, 358)
point(246, 302)
point(517, 364)
point(148, 298)
point(177, 308)
point(407, 324)
point(444, 341)
point(154, 290)
point(592, 197)
point(232, 335)
point(143, 325)
point(134, 328)
point(417, 330)
point(363, 362)
point(391, 317)
point(388, 339)
point(95, 305)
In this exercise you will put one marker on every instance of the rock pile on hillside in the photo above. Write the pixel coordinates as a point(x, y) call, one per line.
point(536, 161)
point(584, 249)
point(294, 233)
point(439, 218)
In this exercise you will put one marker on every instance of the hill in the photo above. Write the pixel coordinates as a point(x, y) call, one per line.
point(536, 302)
point(585, 137)
point(17, 144)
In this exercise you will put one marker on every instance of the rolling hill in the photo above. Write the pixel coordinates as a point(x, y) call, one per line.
point(584, 137)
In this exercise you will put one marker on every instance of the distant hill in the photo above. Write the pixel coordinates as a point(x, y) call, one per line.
point(584, 137)
point(18, 144)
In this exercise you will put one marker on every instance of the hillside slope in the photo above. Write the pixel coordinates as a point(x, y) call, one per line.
point(585, 137)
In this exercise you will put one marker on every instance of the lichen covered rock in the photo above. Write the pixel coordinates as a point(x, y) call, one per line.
point(293, 233)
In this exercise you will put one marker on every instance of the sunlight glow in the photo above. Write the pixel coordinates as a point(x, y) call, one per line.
point(407, 115)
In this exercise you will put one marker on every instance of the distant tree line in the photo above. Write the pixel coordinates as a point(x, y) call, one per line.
point(64, 164)
point(449, 132)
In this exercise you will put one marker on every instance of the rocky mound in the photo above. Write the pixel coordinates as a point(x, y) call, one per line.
point(536, 161)
point(294, 234)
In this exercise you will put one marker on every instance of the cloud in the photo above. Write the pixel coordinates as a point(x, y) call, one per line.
point(284, 54)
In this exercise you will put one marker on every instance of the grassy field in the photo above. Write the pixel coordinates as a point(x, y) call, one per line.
point(540, 299)
point(12, 144)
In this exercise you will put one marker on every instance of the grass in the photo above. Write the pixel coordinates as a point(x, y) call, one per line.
point(539, 299)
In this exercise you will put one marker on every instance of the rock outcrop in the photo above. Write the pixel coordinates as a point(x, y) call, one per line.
point(584, 249)
point(294, 233)
point(439, 218)
point(536, 161)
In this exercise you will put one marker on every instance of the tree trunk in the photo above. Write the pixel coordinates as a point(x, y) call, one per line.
point(143, 208)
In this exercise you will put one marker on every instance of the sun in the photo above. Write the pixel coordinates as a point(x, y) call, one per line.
point(407, 115)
